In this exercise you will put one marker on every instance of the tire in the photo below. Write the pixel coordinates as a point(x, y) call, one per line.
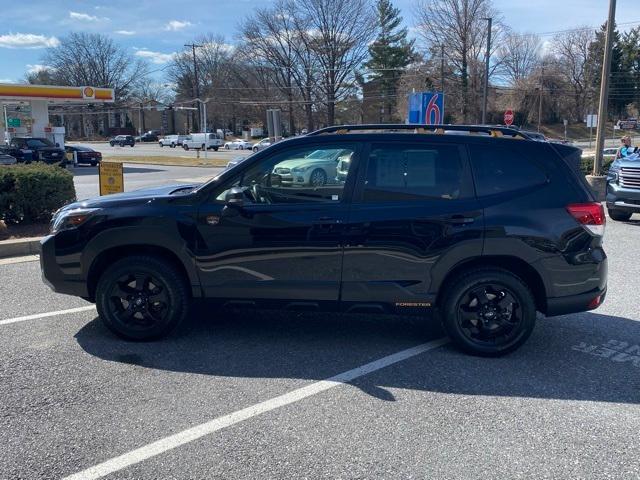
point(618, 215)
point(226, 147)
point(173, 145)
point(215, 149)
point(255, 149)
point(318, 178)
point(93, 164)
point(112, 144)
point(161, 145)
point(509, 312)
point(162, 298)
point(186, 147)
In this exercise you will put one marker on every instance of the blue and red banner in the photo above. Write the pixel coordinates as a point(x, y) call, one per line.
point(426, 108)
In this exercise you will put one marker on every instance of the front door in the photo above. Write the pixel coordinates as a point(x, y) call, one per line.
point(413, 217)
point(285, 239)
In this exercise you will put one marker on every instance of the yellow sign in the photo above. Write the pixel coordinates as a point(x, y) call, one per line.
point(111, 178)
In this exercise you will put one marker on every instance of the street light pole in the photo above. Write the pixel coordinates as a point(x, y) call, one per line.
point(486, 71)
point(196, 86)
point(604, 90)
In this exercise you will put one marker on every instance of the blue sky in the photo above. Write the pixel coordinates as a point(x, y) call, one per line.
point(154, 29)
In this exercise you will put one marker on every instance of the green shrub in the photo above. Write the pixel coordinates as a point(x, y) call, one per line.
point(31, 193)
point(586, 165)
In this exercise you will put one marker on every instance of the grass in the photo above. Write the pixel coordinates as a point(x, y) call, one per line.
point(210, 161)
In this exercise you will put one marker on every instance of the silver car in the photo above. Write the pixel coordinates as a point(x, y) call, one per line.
point(316, 169)
point(6, 159)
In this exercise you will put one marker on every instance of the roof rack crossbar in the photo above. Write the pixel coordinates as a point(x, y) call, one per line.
point(491, 130)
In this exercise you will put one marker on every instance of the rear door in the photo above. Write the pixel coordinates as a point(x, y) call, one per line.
point(414, 216)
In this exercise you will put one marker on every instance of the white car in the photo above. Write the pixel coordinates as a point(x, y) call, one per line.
point(262, 144)
point(172, 141)
point(238, 145)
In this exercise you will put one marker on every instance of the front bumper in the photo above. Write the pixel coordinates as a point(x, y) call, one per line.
point(53, 273)
point(623, 199)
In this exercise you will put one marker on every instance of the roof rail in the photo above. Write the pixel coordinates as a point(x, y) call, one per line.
point(494, 131)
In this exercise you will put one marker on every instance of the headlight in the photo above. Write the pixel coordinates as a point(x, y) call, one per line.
point(67, 219)
point(300, 169)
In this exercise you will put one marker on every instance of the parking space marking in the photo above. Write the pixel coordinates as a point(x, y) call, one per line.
point(46, 315)
point(194, 433)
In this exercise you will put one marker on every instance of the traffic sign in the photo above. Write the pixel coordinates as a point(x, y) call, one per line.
point(111, 178)
point(13, 122)
point(508, 117)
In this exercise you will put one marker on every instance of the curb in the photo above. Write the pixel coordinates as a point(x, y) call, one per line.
point(19, 247)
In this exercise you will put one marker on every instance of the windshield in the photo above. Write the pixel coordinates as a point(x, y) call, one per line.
point(39, 142)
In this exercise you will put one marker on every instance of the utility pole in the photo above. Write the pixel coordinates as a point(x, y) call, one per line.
point(486, 71)
point(604, 90)
point(442, 68)
point(196, 85)
point(540, 99)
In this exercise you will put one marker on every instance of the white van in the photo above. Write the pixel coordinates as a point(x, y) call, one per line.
point(202, 141)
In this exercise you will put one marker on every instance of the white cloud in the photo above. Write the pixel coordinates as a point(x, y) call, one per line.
point(175, 25)
point(86, 17)
point(37, 67)
point(27, 40)
point(155, 57)
point(7, 80)
point(125, 32)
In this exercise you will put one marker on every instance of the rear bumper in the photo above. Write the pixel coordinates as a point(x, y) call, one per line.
point(53, 274)
point(575, 303)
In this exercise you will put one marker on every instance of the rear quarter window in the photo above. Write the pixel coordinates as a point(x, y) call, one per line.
point(502, 169)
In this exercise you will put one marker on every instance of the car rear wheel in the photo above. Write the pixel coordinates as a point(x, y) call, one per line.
point(186, 147)
point(619, 215)
point(142, 298)
point(93, 164)
point(215, 149)
point(488, 312)
point(226, 147)
point(112, 144)
point(173, 145)
point(318, 178)
point(255, 149)
point(161, 145)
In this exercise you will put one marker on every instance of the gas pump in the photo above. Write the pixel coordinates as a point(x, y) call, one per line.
point(55, 135)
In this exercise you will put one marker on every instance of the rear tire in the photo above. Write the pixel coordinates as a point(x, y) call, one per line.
point(619, 216)
point(488, 312)
point(186, 147)
point(142, 298)
point(161, 145)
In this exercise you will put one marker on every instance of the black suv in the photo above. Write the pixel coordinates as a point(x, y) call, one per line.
point(484, 231)
point(122, 140)
point(28, 149)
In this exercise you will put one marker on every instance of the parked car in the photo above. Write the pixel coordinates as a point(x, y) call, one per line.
point(172, 141)
point(236, 160)
point(209, 141)
point(315, 169)
point(6, 159)
point(262, 144)
point(477, 232)
point(238, 144)
point(147, 137)
point(28, 149)
point(84, 155)
point(623, 188)
point(123, 140)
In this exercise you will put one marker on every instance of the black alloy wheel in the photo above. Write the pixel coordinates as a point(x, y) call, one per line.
point(489, 312)
point(142, 298)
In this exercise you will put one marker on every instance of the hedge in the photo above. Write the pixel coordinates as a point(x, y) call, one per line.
point(586, 165)
point(32, 193)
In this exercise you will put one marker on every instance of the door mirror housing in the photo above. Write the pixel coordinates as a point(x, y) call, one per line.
point(235, 197)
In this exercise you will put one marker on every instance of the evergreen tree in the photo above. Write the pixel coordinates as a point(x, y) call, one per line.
point(630, 47)
point(390, 53)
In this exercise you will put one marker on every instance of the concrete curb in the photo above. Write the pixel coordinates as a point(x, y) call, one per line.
point(19, 247)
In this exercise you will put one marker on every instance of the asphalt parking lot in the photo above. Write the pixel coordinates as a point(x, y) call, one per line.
point(243, 395)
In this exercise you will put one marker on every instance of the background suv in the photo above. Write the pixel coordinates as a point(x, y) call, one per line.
point(623, 188)
point(122, 140)
point(479, 232)
point(35, 149)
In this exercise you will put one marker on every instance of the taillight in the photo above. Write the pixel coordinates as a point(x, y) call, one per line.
point(589, 215)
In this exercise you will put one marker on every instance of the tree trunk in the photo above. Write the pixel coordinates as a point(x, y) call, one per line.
point(331, 108)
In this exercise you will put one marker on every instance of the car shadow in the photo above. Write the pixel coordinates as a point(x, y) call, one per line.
point(570, 357)
point(81, 170)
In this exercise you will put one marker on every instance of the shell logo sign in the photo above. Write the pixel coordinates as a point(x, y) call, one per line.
point(88, 92)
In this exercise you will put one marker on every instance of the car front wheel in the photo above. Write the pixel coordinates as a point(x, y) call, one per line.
point(618, 215)
point(142, 298)
point(318, 178)
point(488, 312)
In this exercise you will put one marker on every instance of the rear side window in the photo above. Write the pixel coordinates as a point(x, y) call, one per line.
point(499, 169)
point(401, 172)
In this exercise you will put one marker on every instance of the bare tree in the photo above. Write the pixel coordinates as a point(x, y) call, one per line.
point(519, 55)
point(459, 25)
point(337, 33)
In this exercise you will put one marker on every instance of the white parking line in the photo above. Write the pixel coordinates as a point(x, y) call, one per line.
point(47, 314)
point(186, 436)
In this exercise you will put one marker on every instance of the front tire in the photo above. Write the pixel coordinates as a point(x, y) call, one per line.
point(186, 147)
point(161, 145)
point(318, 178)
point(618, 215)
point(142, 298)
point(488, 312)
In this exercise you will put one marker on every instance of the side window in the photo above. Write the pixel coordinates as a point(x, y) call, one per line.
point(504, 169)
point(297, 175)
point(401, 172)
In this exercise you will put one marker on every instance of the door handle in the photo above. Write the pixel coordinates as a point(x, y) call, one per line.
point(460, 220)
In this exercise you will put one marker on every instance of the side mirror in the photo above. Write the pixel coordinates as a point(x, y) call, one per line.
point(235, 197)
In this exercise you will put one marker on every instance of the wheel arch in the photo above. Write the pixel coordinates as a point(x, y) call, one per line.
point(110, 255)
point(515, 265)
